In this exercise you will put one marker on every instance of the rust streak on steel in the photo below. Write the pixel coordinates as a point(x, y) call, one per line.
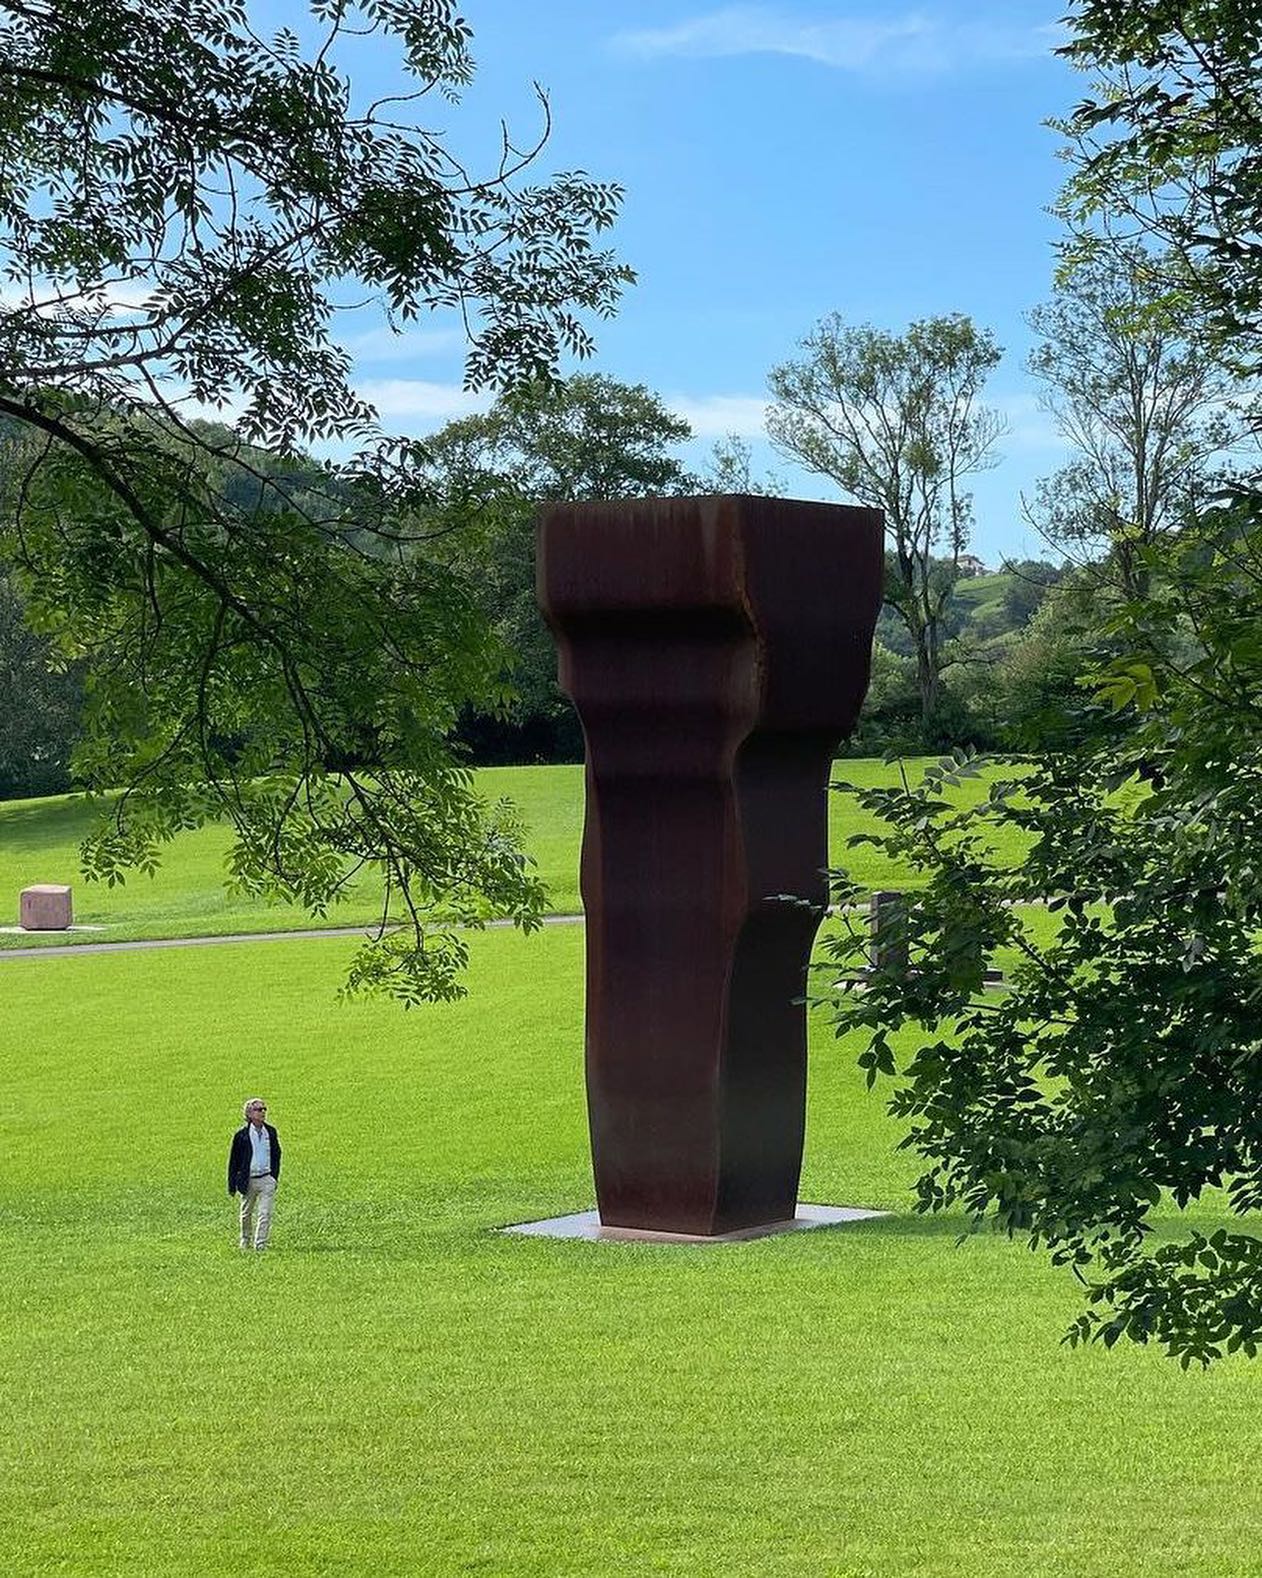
point(717, 649)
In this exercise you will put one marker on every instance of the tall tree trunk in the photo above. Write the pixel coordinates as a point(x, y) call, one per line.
point(927, 675)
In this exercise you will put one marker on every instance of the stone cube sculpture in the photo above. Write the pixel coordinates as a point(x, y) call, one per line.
point(45, 907)
point(717, 650)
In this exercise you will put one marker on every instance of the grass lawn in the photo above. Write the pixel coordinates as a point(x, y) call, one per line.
point(39, 842)
point(983, 591)
point(396, 1389)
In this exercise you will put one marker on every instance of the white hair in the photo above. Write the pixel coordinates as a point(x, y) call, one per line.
point(254, 1101)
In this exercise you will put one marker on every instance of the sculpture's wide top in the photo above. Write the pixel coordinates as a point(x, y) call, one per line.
point(800, 579)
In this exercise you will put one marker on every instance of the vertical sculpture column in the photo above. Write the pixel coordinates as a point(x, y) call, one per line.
point(717, 649)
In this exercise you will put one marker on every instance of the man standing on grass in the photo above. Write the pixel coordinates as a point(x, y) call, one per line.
point(253, 1172)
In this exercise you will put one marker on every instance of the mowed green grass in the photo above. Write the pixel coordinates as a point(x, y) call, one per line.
point(39, 842)
point(398, 1389)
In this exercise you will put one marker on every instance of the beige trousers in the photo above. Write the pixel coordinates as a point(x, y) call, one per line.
point(256, 1212)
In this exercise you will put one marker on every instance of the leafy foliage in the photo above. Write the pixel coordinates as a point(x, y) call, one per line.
point(894, 421)
point(731, 470)
point(990, 631)
point(1123, 1065)
point(585, 437)
point(1167, 149)
point(40, 700)
point(1123, 1061)
point(1146, 404)
point(183, 208)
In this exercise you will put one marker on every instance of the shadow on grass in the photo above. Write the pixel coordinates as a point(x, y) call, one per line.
point(32, 829)
point(1168, 1225)
point(909, 1224)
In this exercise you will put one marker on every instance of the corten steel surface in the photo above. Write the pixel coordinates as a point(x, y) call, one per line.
point(717, 650)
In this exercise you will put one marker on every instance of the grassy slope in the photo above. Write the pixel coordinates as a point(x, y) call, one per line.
point(982, 591)
point(39, 843)
point(431, 1398)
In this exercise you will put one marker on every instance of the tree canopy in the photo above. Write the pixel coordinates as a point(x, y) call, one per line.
point(40, 701)
point(896, 422)
point(184, 208)
point(1138, 390)
point(1122, 1066)
point(588, 436)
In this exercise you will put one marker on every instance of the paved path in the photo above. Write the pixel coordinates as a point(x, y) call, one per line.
point(51, 950)
point(56, 950)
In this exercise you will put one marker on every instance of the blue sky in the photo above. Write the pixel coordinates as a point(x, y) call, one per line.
point(781, 161)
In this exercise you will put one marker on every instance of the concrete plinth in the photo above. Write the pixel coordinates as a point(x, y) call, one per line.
point(587, 1224)
point(45, 907)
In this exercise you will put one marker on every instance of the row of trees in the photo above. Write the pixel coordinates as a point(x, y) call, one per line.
point(898, 421)
point(893, 420)
point(1152, 416)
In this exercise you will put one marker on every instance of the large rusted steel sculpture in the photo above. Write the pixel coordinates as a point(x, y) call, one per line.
point(717, 649)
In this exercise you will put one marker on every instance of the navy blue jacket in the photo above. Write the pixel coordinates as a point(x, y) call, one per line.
point(239, 1154)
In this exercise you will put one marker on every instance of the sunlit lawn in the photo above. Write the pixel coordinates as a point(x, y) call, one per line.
point(39, 842)
point(395, 1388)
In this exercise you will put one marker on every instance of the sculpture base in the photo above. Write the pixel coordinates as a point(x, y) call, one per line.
point(587, 1224)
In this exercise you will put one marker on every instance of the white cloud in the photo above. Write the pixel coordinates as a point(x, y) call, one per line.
point(118, 298)
point(403, 404)
point(1031, 429)
point(715, 416)
point(228, 411)
point(915, 41)
point(125, 295)
point(385, 345)
point(417, 400)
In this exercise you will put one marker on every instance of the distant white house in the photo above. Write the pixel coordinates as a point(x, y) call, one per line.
point(970, 565)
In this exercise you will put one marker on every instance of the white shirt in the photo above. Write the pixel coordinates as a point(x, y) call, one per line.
point(260, 1151)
